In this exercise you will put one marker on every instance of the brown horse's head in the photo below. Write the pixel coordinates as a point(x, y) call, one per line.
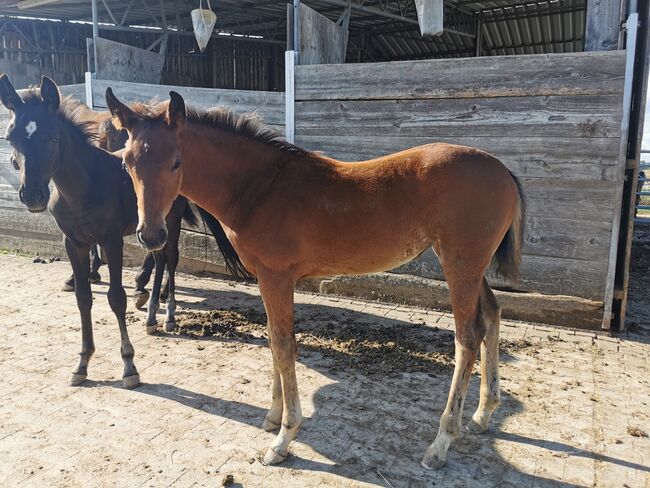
point(34, 135)
point(152, 157)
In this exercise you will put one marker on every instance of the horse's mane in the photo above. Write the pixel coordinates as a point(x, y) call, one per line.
point(76, 115)
point(248, 125)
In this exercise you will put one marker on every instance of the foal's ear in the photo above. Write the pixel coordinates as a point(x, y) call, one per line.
point(50, 94)
point(8, 95)
point(123, 116)
point(176, 115)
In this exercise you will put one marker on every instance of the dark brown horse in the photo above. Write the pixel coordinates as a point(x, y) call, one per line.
point(93, 201)
point(292, 214)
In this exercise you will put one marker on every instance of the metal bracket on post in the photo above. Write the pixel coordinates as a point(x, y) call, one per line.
point(630, 48)
point(290, 94)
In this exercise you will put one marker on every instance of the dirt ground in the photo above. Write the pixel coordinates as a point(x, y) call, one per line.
point(373, 381)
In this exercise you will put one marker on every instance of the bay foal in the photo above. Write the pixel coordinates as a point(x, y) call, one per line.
point(292, 214)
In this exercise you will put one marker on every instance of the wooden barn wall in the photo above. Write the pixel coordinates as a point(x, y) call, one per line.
point(60, 48)
point(553, 120)
point(21, 230)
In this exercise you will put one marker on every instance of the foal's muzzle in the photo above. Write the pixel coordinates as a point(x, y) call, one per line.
point(152, 239)
point(34, 198)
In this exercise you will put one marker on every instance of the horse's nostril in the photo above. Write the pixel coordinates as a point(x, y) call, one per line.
point(138, 234)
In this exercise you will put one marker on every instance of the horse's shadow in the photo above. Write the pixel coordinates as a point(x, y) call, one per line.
point(375, 422)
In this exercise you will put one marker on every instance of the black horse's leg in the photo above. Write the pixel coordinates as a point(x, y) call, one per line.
point(172, 261)
point(154, 298)
point(117, 301)
point(140, 294)
point(79, 258)
point(95, 264)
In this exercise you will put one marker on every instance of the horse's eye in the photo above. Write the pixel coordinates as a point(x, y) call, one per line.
point(177, 164)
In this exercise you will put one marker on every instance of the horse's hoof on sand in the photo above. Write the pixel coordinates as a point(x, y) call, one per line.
point(95, 278)
point(163, 298)
point(475, 427)
point(76, 379)
point(170, 326)
point(433, 462)
point(152, 329)
point(141, 298)
point(130, 382)
point(272, 457)
point(67, 287)
point(269, 425)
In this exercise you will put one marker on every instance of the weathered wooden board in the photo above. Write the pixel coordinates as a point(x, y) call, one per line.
point(268, 105)
point(574, 116)
point(553, 120)
point(321, 40)
point(603, 25)
point(529, 156)
point(117, 61)
point(595, 73)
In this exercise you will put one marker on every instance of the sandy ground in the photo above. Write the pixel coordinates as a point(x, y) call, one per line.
point(373, 381)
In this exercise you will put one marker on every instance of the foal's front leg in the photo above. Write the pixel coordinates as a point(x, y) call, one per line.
point(117, 301)
point(277, 292)
point(80, 260)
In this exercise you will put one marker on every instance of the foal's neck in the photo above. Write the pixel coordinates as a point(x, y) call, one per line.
point(73, 175)
point(227, 173)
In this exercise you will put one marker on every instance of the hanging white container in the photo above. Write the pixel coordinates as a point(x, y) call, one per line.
point(203, 20)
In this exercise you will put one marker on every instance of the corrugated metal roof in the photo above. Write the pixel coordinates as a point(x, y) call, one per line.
point(507, 27)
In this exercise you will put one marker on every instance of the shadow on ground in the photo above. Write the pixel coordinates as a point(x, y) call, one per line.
point(391, 383)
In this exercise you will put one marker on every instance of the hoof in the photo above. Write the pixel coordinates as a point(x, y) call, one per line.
point(141, 298)
point(273, 457)
point(95, 278)
point(152, 329)
point(67, 287)
point(163, 298)
point(269, 425)
point(433, 462)
point(130, 382)
point(475, 427)
point(76, 379)
point(170, 326)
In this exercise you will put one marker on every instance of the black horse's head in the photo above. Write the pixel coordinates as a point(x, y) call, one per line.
point(34, 135)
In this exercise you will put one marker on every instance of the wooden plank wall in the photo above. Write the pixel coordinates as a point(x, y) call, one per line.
point(554, 120)
point(38, 233)
point(118, 61)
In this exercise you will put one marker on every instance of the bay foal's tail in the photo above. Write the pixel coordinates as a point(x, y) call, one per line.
point(508, 254)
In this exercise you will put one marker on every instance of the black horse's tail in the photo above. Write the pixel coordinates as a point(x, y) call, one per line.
point(508, 254)
point(230, 256)
point(189, 216)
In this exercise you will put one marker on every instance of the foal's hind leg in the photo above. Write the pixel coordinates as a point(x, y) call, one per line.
point(80, 261)
point(464, 300)
point(490, 313)
point(117, 301)
point(154, 298)
point(172, 261)
point(140, 294)
point(95, 264)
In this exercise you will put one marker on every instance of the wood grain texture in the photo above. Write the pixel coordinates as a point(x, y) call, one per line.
point(573, 116)
point(595, 73)
point(322, 41)
point(268, 105)
point(117, 61)
point(603, 25)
